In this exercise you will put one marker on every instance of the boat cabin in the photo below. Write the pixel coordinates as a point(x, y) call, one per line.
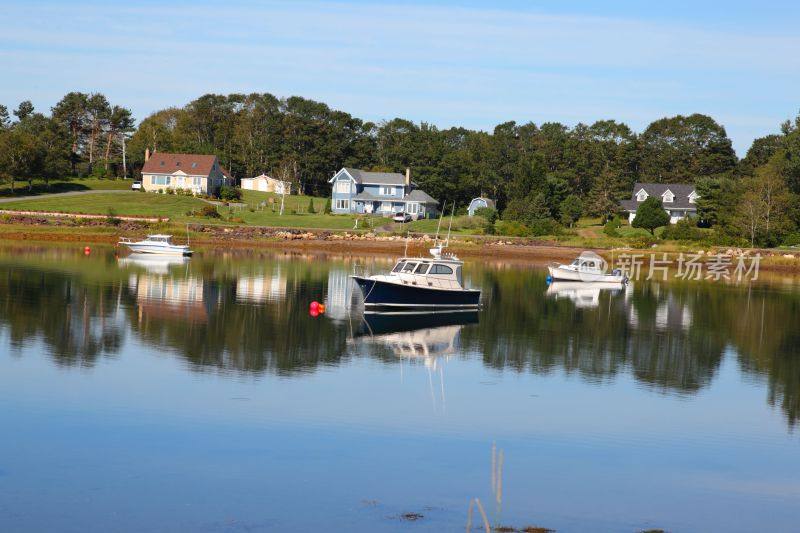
point(437, 273)
point(166, 239)
point(588, 262)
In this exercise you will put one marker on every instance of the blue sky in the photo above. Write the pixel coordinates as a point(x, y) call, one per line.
point(467, 63)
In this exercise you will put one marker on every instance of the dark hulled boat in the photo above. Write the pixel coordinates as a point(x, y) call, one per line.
point(420, 283)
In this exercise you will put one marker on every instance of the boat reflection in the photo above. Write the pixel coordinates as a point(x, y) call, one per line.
point(155, 264)
point(582, 294)
point(415, 335)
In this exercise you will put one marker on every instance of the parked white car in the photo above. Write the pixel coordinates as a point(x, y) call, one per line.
point(402, 217)
point(136, 185)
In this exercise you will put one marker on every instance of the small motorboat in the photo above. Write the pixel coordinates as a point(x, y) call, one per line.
point(156, 244)
point(587, 267)
point(420, 283)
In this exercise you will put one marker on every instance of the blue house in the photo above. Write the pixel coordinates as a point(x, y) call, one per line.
point(478, 203)
point(379, 193)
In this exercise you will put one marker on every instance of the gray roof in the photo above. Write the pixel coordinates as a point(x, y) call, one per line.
point(489, 203)
point(364, 195)
point(378, 178)
point(419, 196)
point(680, 190)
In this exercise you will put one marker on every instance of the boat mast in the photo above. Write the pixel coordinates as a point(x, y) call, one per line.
point(452, 212)
point(441, 216)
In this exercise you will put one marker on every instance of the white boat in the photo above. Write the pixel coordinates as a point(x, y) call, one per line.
point(156, 244)
point(587, 267)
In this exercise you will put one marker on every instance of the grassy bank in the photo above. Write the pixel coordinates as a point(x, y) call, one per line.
point(22, 188)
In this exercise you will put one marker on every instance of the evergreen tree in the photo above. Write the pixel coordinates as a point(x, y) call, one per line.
point(650, 215)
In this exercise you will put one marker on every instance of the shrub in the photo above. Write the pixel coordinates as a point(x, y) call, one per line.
point(685, 230)
point(209, 211)
point(311, 206)
point(327, 209)
point(612, 226)
point(545, 226)
point(487, 213)
point(112, 218)
point(228, 193)
point(642, 241)
point(792, 239)
point(512, 228)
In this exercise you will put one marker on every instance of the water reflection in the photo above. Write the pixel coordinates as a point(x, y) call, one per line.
point(249, 315)
point(581, 294)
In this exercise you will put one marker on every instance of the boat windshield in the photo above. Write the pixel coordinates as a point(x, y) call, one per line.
point(409, 267)
point(422, 268)
point(399, 266)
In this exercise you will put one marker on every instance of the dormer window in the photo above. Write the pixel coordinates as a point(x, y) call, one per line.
point(641, 196)
point(693, 197)
point(668, 197)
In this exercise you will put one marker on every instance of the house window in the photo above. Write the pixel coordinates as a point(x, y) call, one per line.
point(387, 191)
point(412, 208)
point(641, 196)
point(693, 197)
point(197, 182)
point(343, 186)
point(343, 204)
point(386, 206)
point(161, 180)
point(668, 197)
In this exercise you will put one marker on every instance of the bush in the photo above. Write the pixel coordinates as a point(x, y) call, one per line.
point(511, 228)
point(327, 209)
point(611, 227)
point(685, 230)
point(792, 239)
point(112, 217)
point(209, 211)
point(642, 241)
point(487, 213)
point(311, 206)
point(545, 226)
point(228, 193)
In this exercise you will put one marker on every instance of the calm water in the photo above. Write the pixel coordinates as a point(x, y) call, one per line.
point(200, 395)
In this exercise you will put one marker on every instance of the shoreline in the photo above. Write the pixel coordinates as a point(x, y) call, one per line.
point(510, 249)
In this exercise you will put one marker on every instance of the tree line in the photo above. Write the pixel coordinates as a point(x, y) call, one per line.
point(541, 172)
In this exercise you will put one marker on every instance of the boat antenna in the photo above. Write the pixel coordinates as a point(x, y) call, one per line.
point(405, 251)
point(441, 215)
point(452, 212)
point(187, 234)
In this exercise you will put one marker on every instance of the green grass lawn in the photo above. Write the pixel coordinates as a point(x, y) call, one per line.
point(65, 185)
point(129, 203)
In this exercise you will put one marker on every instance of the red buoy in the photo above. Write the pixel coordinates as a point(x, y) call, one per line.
point(87, 250)
point(313, 312)
point(314, 306)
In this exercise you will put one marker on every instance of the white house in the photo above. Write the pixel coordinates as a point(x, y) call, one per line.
point(201, 174)
point(266, 183)
point(679, 199)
